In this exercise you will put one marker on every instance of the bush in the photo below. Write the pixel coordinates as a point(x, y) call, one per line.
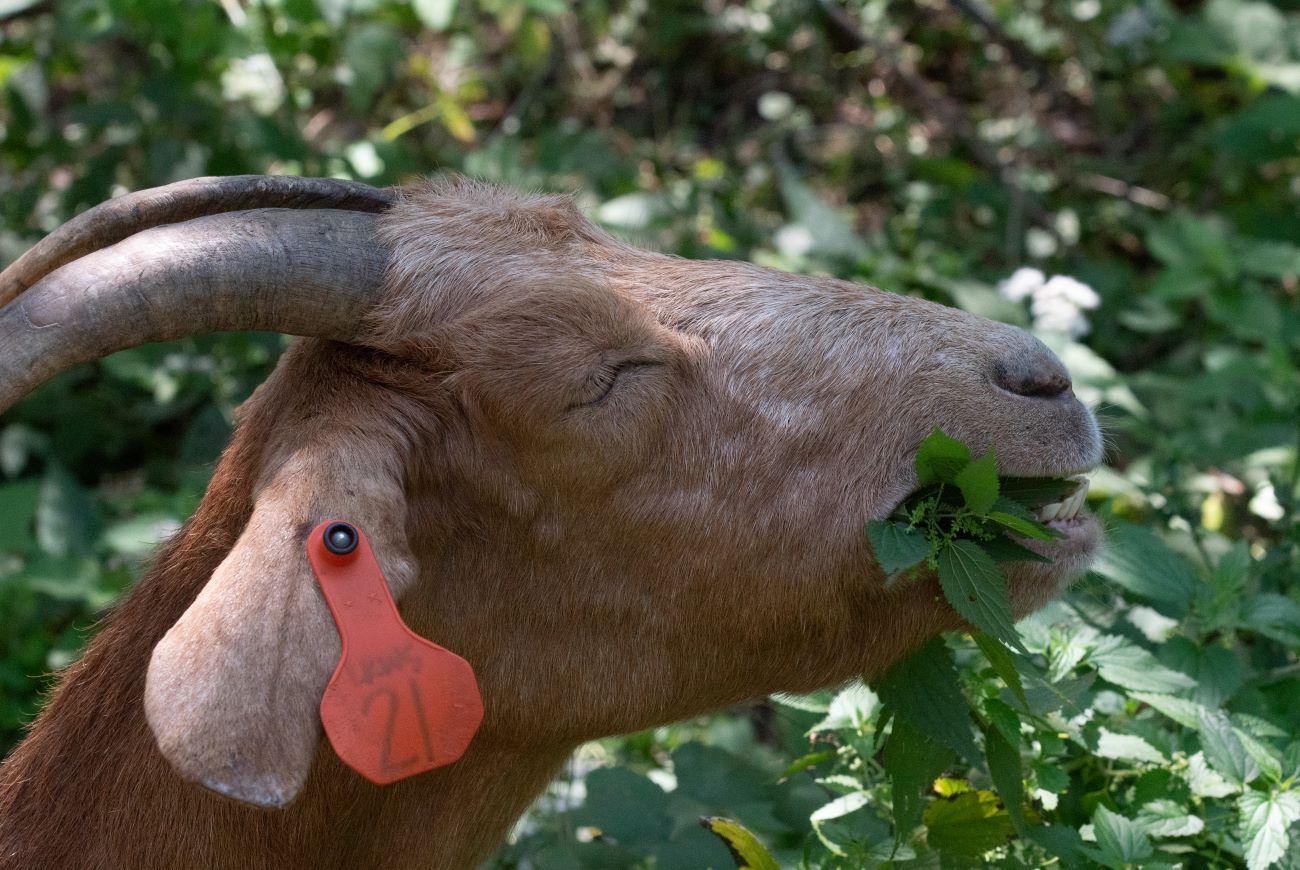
point(1142, 156)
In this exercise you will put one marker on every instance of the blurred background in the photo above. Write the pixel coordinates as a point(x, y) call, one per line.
point(1119, 175)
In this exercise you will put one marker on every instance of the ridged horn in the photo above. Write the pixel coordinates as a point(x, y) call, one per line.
point(312, 273)
point(111, 222)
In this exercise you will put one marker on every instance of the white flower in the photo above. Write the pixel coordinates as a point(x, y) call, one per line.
point(1057, 303)
point(1023, 282)
point(1072, 289)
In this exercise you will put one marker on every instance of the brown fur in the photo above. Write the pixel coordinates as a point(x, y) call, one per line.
point(692, 540)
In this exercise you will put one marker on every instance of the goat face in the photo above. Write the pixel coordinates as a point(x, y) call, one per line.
point(627, 488)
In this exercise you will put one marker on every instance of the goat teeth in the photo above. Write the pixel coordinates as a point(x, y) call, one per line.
point(1049, 511)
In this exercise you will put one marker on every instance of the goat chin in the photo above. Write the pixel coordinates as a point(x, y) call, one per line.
point(626, 487)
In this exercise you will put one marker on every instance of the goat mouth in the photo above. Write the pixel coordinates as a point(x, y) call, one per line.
point(1067, 512)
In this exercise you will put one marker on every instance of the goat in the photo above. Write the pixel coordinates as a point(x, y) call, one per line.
point(627, 488)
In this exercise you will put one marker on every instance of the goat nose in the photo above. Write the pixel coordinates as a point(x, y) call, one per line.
point(1037, 376)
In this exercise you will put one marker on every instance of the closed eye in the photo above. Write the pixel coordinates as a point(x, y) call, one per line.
point(607, 379)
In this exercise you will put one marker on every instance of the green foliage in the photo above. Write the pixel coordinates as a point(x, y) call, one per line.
point(1147, 149)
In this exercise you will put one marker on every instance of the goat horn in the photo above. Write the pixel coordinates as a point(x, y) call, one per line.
point(313, 273)
point(111, 222)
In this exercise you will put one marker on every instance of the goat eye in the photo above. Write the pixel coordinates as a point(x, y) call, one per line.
point(602, 384)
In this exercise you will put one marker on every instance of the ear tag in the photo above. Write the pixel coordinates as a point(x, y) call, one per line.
point(397, 704)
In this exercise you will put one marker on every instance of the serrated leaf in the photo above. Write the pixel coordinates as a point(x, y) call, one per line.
point(1204, 782)
point(1265, 819)
point(1127, 747)
point(1004, 719)
point(1166, 818)
point(1129, 665)
point(1223, 748)
point(923, 688)
point(850, 707)
point(746, 850)
point(1003, 757)
point(976, 589)
point(1184, 712)
point(940, 459)
point(897, 547)
point(978, 483)
point(1034, 492)
point(912, 761)
point(1000, 658)
point(1270, 765)
point(965, 827)
point(1015, 516)
point(1141, 563)
point(1120, 839)
point(1003, 549)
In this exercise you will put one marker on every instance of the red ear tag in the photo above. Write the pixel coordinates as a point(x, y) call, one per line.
point(397, 704)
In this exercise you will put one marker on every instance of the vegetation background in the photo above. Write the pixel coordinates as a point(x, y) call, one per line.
point(1142, 155)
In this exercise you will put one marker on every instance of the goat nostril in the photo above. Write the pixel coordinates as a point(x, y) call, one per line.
point(1032, 382)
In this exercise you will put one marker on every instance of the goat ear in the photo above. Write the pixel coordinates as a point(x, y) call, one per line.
point(234, 688)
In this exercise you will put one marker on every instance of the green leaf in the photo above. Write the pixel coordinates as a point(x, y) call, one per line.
point(1128, 665)
point(1034, 492)
point(1003, 664)
point(923, 689)
point(1003, 757)
point(965, 827)
point(746, 850)
point(1127, 747)
point(1020, 519)
point(897, 547)
point(975, 587)
point(1138, 561)
point(1265, 820)
point(940, 459)
point(1166, 818)
point(978, 483)
point(1223, 749)
point(912, 761)
point(1120, 839)
point(1003, 549)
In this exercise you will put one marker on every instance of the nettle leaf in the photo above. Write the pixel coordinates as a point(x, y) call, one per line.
point(1224, 750)
point(978, 483)
point(1003, 757)
point(1019, 519)
point(976, 589)
point(1127, 747)
point(1120, 839)
point(746, 850)
point(923, 688)
point(1184, 712)
point(1139, 562)
point(897, 547)
point(1129, 665)
point(1034, 492)
point(1166, 818)
point(912, 761)
point(1003, 549)
point(1265, 819)
point(965, 827)
point(940, 459)
point(1204, 782)
point(1004, 665)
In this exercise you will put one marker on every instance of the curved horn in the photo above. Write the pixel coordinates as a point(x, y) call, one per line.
point(313, 273)
point(111, 222)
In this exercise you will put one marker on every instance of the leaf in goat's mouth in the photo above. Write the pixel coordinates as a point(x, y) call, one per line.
point(963, 520)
